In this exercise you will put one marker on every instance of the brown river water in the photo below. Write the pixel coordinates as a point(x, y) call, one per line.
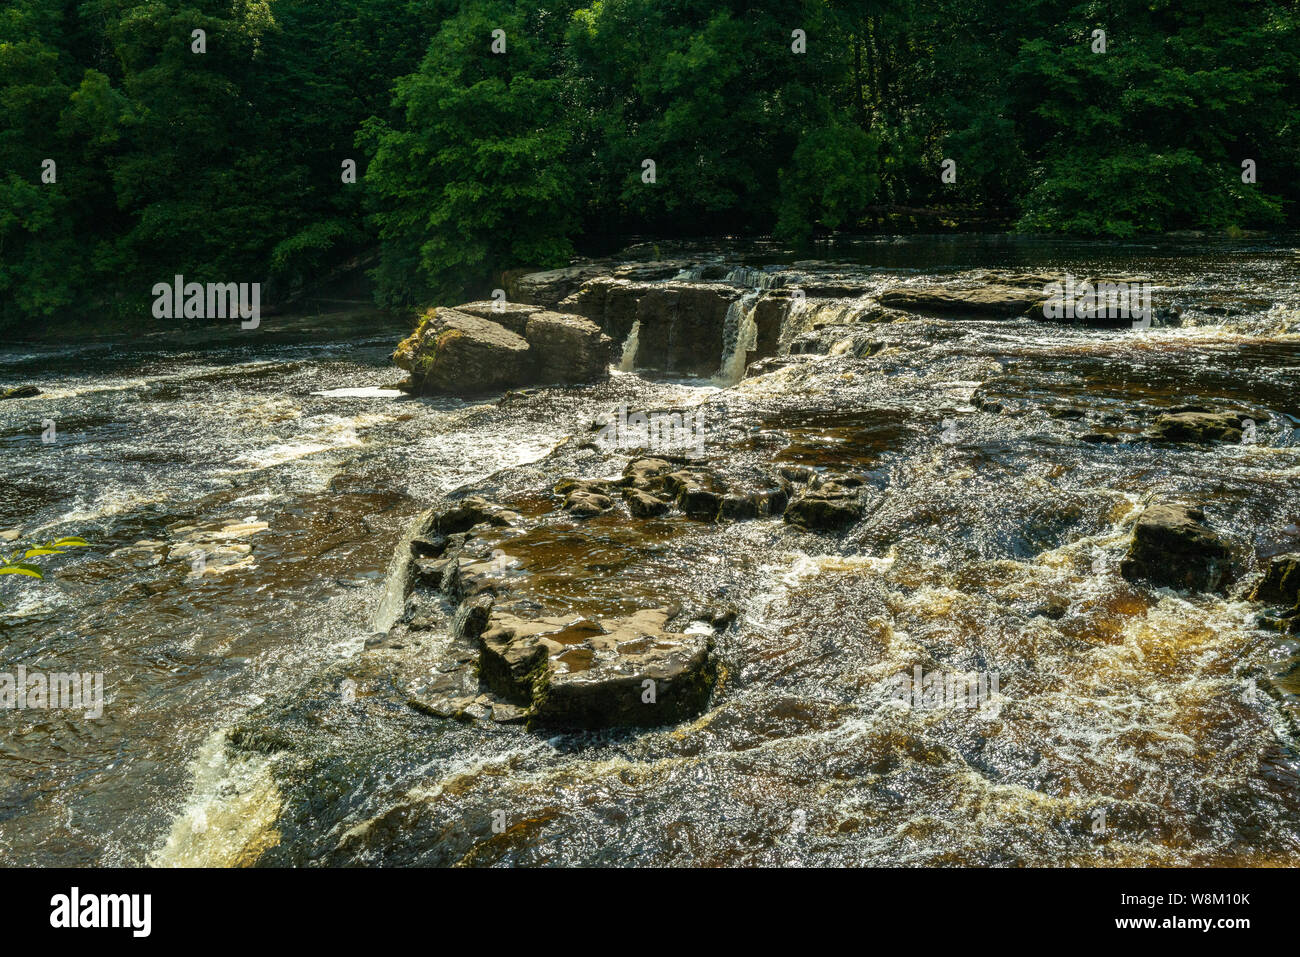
point(247, 492)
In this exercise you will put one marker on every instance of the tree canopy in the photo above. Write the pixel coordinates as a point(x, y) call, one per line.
point(493, 134)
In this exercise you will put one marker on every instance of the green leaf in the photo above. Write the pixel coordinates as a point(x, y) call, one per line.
point(21, 569)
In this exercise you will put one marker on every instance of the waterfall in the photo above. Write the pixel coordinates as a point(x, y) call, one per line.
point(753, 278)
point(397, 581)
point(739, 338)
point(628, 361)
point(820, 312)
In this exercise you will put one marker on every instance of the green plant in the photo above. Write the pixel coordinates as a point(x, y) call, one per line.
point(16, 563)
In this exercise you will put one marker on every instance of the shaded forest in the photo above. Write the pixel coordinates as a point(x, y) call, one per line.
point(490, 134)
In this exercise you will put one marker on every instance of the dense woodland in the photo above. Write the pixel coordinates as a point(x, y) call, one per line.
point(228, 165)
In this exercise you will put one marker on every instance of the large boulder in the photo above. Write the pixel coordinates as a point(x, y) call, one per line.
point(513, 315)
point(567, 348)
point(681, 323)
point(1173, 547)
point(490, 346)
point(456, 353)
point(577, 672)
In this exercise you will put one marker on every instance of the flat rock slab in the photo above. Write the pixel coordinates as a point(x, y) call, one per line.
point(998, 301)
point(512, 315)
point(580, 672)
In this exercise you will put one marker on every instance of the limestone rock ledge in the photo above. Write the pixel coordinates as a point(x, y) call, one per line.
point(488, 347)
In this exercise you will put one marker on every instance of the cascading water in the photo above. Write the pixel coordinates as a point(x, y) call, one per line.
point(627, 362)
point(754, 278)
point(997, 552)
point(739, 337)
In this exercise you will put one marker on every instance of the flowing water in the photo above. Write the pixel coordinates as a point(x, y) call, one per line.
point(246, 493)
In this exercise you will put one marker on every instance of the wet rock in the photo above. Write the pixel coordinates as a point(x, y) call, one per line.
point(503, 713)
point(584, 498)
point(586, 673)
point(428, 546)
point(464, 514)
point(471, 618)
point(771, 364)
point(455, 353)
point(1067, 412)
point(1199, 427)
point(567, 348)
point(644, 505)
point(1281, 582)
point(20, 392)
point(739, 508)
point(996, 300)
point(1280, 587)
point(1173, 547)
point(547, 288)
point(681, 323)
point(818, 511)
point(648, 474)
point(831, 503)
point(429, 571)
point(513, 315)
point(699, 494)
point(770, 497)
point(721, 616)
point(583, 503)
point(516, 651)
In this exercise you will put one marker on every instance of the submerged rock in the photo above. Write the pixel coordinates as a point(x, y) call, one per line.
point(1173, 547)
point(1199, 427)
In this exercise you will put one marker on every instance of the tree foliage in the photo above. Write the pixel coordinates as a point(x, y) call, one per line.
point(225, 166)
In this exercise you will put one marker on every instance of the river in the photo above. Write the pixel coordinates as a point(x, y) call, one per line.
point(245, 493)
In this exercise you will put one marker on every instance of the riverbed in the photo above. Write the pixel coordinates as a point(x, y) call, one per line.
point(247, 493)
